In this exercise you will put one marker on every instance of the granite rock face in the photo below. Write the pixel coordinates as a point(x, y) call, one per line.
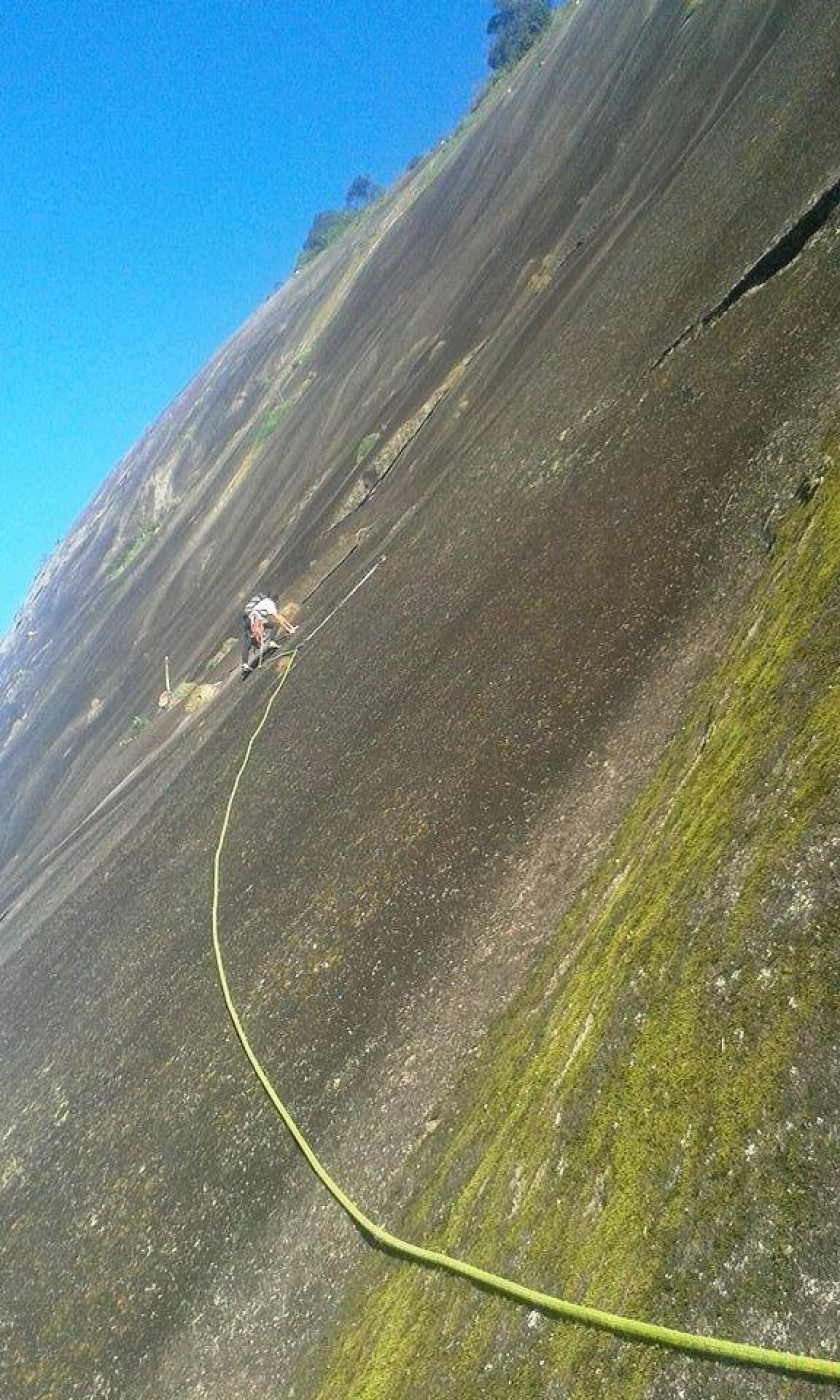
point(530, 900)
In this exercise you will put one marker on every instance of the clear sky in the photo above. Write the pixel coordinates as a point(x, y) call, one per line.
point(160, 163)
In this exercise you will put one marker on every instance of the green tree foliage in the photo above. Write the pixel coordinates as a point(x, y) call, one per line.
point(362, 192)
point(326, 228)
point(330, 224)
point(515, 26)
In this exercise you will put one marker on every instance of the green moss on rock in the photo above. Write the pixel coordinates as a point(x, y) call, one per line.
point(270, 422)
point(147, 532)
point(365, 447)
point(634, 1135)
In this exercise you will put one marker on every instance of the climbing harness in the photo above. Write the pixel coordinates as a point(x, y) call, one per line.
point(717, 1348)
point(256, 627)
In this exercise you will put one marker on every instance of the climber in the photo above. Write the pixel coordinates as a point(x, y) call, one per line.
point(260, 621)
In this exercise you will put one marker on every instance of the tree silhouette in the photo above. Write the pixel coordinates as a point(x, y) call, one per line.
point(516, 25)
point(362, 191)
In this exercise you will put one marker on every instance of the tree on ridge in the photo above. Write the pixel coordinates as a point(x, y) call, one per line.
point(516, 25)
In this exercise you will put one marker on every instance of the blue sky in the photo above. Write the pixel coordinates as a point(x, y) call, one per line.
point(160, 164)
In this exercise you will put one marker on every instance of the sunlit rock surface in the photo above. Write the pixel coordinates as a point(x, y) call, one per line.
point(530, 901)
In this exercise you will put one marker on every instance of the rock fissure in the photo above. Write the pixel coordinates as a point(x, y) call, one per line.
point(784, 251)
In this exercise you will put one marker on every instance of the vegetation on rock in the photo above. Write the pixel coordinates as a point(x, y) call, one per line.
point(633, 1127)
point(270, 422)
point(515, 28)
point(148, 530)
point(365, 447)
point(329, 225)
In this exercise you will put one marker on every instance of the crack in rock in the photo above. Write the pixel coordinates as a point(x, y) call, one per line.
point(780, 255)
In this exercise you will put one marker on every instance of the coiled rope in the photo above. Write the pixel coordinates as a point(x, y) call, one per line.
point(715, 1347)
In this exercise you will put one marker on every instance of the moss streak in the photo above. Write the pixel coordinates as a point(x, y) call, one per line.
point(630, 1127)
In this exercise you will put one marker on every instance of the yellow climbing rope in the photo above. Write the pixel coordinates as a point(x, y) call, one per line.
point(721, 1349)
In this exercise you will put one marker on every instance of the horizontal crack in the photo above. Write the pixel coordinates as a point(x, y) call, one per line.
point(783, 252)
